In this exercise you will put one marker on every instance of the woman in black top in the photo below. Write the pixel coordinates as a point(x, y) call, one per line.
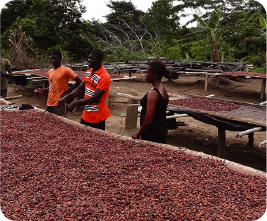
point(154, 104)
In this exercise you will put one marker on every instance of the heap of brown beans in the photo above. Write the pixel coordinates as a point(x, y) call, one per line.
point(245, 73)
point(207, 104)
point(2, 103)
point(53, 170)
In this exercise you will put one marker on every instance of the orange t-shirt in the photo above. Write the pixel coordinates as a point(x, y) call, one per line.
point(96, 112)
point(58, 83)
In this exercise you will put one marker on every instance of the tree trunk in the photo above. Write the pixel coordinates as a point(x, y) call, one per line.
point(214, 52)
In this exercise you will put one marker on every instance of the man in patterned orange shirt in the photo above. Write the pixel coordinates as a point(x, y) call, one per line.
point(95, 87)
point(58, 78)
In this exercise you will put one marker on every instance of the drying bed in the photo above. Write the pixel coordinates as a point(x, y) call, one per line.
point(245, 73)
point(43, 73)
point(52, 169)
point(205, 104)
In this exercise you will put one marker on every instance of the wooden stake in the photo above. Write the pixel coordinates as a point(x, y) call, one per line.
point(217, 81)
point(221, 150)
point(206, 82)
point(263, 88)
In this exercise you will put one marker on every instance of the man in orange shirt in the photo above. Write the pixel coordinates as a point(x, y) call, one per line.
point(58, 79)
point(95, 87)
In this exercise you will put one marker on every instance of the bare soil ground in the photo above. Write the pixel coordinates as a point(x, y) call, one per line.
point(195, 135)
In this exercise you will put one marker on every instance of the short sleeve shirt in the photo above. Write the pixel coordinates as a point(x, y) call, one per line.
point(96, 112)
point(58, 83)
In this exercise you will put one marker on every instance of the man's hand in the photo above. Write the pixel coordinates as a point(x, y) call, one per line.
point(71, 106)
point(62, 101)
point(39, 90)
point(136, 136)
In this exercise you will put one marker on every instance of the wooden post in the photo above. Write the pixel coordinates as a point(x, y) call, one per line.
point(263, 88)
point(131, 114)
point(246, 67)
point(221, 150)
point(250, 139)
point(44, 83)
point(217, 81)
point(206, 82)
point(222, 58)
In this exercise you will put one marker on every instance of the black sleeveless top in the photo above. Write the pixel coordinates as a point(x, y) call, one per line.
point(158, 130)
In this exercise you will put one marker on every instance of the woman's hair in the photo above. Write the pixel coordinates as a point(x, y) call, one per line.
point(159, 68)
point(98, 53)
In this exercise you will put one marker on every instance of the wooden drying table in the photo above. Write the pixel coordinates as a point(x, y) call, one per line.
point(245, 117)
point(218, 74)
point(42, 76)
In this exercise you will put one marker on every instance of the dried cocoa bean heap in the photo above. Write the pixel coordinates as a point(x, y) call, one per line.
point(54, 170)
point(205, 104)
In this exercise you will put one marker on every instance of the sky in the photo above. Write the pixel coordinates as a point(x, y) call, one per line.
point(98, 8)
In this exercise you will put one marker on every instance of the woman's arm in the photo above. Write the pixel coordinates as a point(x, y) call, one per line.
point(152, 99)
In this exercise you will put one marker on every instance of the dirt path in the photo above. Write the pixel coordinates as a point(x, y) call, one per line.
point(195, 135)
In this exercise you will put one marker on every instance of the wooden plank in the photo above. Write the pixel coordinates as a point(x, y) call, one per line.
point(13, 97)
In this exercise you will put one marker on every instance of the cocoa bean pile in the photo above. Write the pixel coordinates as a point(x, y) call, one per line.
point(54, 170)
point(207, 104)
point(2, 103)
point(245, 73)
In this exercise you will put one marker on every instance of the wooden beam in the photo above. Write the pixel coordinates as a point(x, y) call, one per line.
point(255, 129)
point(13, 97)
point(176, 116)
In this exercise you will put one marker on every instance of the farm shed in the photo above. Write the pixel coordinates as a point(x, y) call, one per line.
point(56, 169)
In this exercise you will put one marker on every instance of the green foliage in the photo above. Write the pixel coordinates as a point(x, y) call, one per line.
point(171, 50)
point(258, 60)
point(237, 29)
point(200, 50)
point(259, 70)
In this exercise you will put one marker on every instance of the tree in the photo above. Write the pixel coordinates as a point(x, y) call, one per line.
point(50, 23)
point(163, 20)
point(208, 29)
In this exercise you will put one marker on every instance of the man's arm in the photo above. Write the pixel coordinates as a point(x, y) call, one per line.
point(75, 93)
point(9, 69)
point(89, 100)
point(77, 83)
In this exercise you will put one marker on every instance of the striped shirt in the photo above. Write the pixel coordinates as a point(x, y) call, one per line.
point(96, 112)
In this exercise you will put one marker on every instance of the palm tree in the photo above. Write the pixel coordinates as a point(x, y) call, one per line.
point(211, 30)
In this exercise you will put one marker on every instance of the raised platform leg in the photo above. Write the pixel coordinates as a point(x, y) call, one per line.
point(221, 150)
point(250, 139)
point(263, 88)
